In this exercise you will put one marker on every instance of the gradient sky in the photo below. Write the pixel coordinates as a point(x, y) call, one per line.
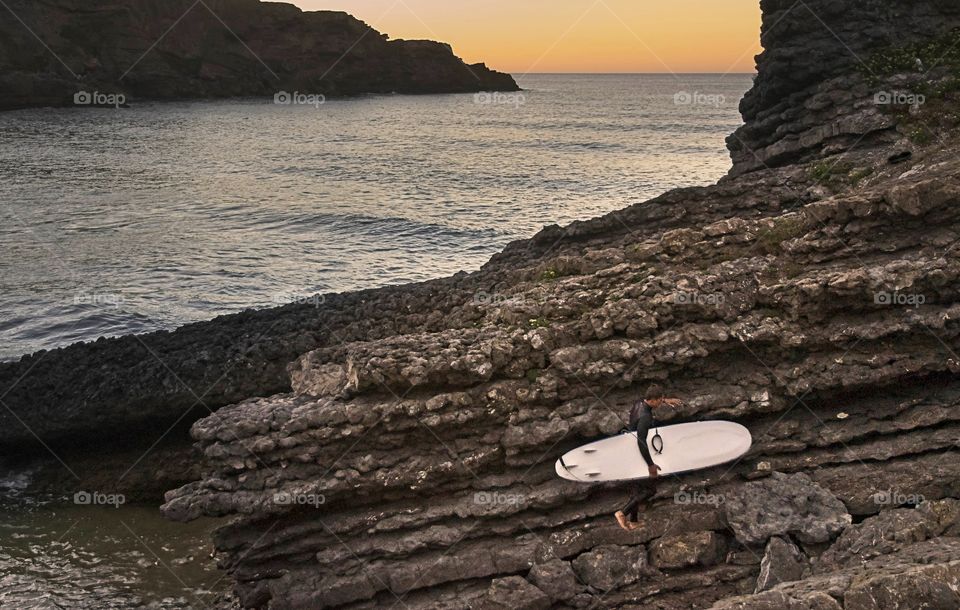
point(521, 36)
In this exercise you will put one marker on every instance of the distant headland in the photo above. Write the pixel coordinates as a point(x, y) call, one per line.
point(67, 52)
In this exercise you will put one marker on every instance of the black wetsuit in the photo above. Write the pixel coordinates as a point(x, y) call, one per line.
point(641, 420)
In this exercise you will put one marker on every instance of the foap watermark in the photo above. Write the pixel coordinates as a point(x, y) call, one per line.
point(96, 498)
point(892, 497)
point(493, 298)
point(285, 98)
point(686, 98)
point(698, 298)
point(98, 300)
point(899, 98)
point(899, 299)
point(315, 300)
point(697, 498)
point(286, 498)
point(497, 498)
point(95, 98)
point(496, 98)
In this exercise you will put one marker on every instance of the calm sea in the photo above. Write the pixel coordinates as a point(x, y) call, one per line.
point(120, 221)
point(131, 220)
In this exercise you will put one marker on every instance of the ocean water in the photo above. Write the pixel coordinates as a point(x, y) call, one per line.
point(131, 220)
point(116, 221)
point(60, 555)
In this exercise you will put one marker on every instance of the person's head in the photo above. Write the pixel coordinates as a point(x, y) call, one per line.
point(654, 395)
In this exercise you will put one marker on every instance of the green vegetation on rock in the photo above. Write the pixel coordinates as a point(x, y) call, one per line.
point(838, 174)
point(944, 50)
point(770, 241)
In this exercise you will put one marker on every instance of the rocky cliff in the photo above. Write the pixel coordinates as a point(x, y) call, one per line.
point(163, 49)
point(813, 296)
point(395, 448)
point(419, 467)
point(823, 66)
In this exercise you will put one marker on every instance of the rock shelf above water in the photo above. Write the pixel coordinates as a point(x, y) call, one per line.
point(396, 447)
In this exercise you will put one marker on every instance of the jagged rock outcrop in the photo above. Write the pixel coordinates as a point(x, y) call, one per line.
point(923, 575)
point(889, 532)
point(782, 562)
point(165, 49)
point(825, 321)
point(825, 67)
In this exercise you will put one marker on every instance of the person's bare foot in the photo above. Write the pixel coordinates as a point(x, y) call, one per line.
point(632, 525)
point(622, 520)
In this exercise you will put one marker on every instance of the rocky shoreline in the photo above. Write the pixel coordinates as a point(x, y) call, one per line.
point(395, 447)
point(109, 52)
point(433, 452)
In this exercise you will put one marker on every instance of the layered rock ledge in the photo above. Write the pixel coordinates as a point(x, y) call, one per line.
point(181, 49)
point(419, 466)
point(396, 447)
point(825, 65)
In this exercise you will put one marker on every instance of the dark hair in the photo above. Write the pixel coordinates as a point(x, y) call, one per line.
point(654, 392)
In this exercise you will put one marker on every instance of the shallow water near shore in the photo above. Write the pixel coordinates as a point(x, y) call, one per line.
point(163, 214)
point(56, 554)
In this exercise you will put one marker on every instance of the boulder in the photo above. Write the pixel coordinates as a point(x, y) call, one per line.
point(785, 505)
point(686, 550)
point(922, 575)
point(556, 578)
point(515, 593)
point(611, 566)
point(889, 532)
point(782, 562)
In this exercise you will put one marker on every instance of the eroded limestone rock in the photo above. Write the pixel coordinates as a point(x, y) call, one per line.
point(782, 562)
point(611, 566)
point(785, 505)
point(686, 550)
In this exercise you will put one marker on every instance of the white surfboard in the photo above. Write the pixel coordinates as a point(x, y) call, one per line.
point(685, 447)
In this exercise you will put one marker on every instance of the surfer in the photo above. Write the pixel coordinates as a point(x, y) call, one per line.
point(641, 420)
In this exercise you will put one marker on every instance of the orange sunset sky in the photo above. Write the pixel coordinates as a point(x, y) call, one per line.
point(522, 36)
